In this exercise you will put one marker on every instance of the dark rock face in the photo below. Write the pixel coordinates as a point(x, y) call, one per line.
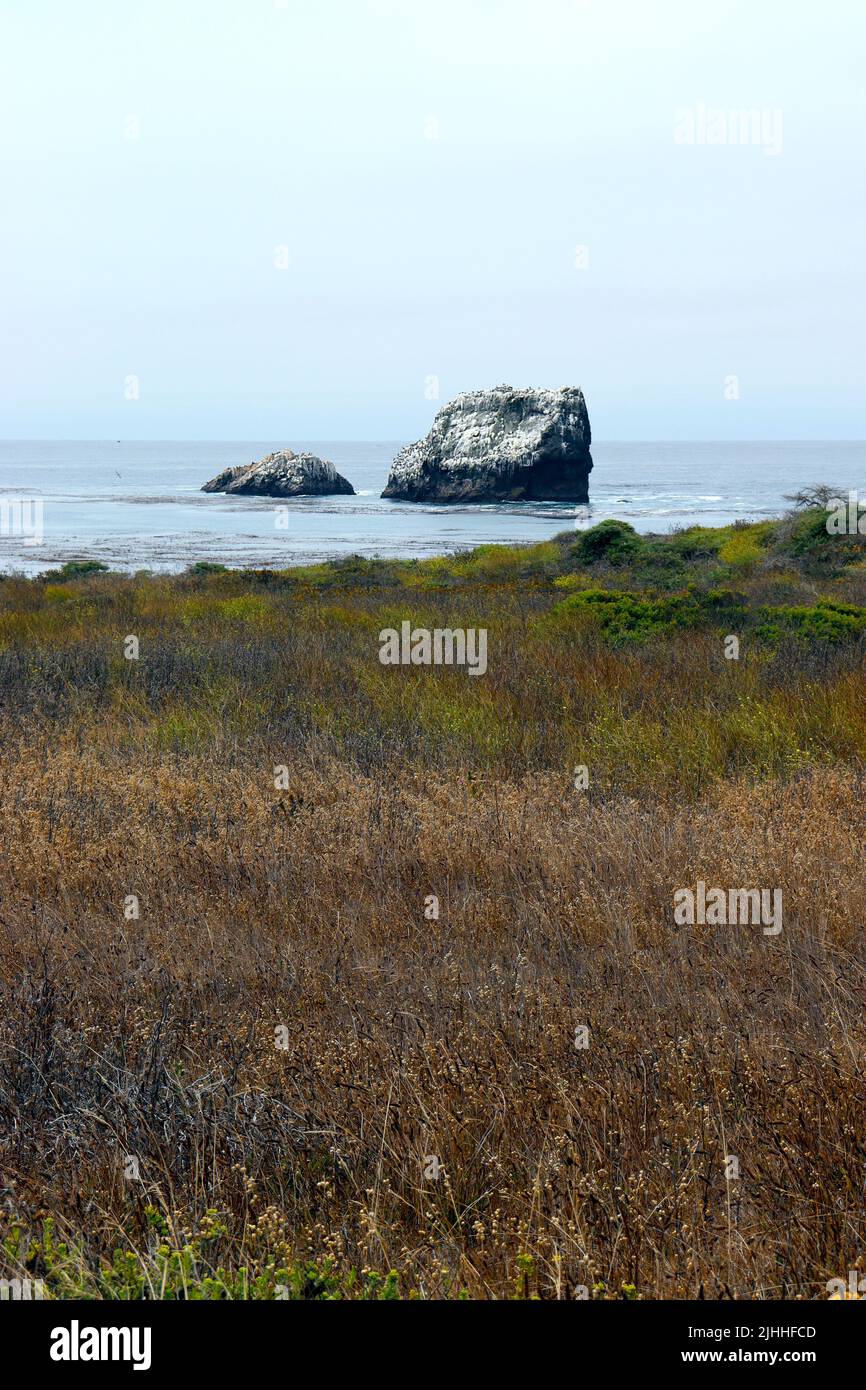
point(505, 445)
point(222, 481)
point(284, 474)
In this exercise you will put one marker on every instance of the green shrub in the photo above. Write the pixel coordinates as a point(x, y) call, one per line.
point(77, 569)
point(825, 620)
point(614, 542)
point(807, 538)
point(626, 617)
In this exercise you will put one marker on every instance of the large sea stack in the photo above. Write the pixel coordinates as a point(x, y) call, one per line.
point(511, 444)
point(284, 474)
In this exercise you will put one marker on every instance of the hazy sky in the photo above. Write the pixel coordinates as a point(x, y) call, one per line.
point(426, 172)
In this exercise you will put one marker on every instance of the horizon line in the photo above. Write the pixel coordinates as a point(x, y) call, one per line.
point(337, 439)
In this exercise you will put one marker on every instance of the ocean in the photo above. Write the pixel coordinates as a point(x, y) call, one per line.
point(137, 505)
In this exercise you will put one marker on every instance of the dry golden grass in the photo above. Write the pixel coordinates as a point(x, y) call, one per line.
point(408, 1038)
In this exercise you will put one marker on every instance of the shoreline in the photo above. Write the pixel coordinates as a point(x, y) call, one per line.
point(301, 562)
point(174, 564)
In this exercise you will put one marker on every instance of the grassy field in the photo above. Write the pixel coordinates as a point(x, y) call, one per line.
point(329, 979)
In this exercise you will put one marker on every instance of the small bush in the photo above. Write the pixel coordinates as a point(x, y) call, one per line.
point(614, 542)
point(624, 617)
point(79, 569)
point(823, 621)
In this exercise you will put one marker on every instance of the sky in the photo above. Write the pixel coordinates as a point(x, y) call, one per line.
point(259, 220)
